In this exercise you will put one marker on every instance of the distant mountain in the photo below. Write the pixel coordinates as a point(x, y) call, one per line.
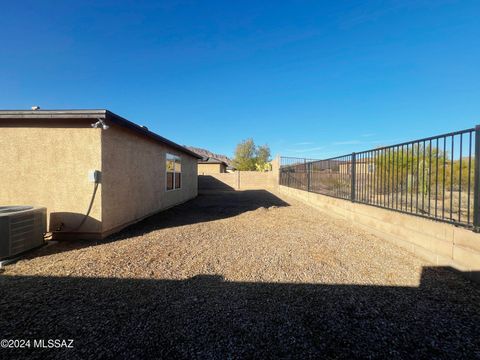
point(207, 153)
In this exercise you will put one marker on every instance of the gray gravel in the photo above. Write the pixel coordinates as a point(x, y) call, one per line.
point(238, 275)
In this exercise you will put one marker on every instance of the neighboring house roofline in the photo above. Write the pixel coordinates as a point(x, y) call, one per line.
point(92, 114)
point(211, 160)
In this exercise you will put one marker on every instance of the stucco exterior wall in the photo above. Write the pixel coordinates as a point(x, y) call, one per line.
point(134, 178)
point(47, 164)
point(206, 169)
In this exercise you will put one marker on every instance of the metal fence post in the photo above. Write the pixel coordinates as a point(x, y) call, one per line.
point(307, 168)
point(353, 171)
point(476, 184)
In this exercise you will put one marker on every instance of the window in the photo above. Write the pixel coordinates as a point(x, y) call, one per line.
point(174, 172)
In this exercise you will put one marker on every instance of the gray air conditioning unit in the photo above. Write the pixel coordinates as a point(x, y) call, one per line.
point(21, 228)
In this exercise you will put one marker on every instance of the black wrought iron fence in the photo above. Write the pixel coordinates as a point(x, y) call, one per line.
point(435, 177)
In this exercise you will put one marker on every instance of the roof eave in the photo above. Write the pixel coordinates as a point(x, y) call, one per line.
point(93, 114)
point(140, 129)
point(52, 114)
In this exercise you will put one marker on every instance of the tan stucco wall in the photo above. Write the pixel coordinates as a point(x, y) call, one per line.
point(206, 169)
point(437, 242)
point(47, 165)
point(251, 180)
point(218, 182)
point(134, 179)
point(241, 180)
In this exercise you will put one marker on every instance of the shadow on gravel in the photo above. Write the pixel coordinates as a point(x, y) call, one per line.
point(206, 317)
point(204, 208)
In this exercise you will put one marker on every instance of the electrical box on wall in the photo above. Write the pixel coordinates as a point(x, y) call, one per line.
point(94, 176)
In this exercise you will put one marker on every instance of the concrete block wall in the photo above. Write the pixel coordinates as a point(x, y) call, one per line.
point(218, 182)
point(240, 180)
point(439, 243)
point(256, 180)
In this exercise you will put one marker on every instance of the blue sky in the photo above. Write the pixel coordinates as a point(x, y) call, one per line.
point(309, 78)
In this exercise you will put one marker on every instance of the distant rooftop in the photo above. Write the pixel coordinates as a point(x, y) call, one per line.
point(211, 160)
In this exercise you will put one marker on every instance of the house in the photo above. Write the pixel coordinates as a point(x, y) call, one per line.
point(210, 165)
point(362, 166)
point(93, 170)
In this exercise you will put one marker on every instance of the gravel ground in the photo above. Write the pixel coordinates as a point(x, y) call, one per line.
point(238, 275)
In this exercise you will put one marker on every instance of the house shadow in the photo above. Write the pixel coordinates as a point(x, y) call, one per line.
point(207, 183)
point(206, 317)
point(65, 223)
point(204, 208)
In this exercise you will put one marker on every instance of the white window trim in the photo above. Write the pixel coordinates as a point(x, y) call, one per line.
point(175, 157)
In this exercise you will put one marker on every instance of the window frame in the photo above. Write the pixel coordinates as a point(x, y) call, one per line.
point(176, 160)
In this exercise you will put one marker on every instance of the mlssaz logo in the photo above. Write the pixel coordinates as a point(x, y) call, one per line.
point(53, 343)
